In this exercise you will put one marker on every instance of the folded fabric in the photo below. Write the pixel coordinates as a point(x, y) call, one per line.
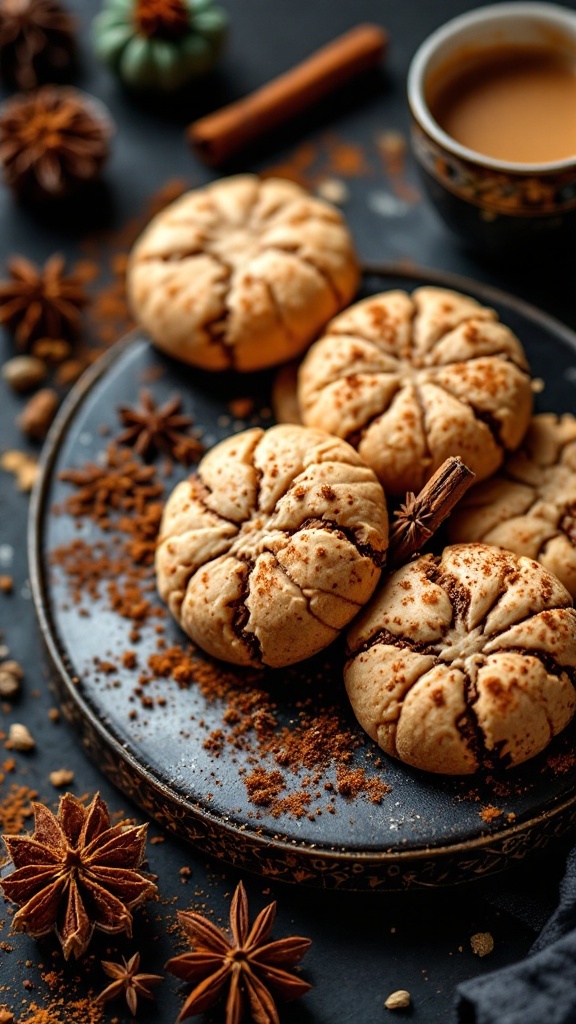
point(541, 989)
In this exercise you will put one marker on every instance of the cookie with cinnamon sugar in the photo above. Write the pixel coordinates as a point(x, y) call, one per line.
point(410, 380)
point(242, 274)
point(464, 660)
point(273, 546)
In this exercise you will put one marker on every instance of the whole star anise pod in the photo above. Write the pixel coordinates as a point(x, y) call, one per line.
point(166, 19)
point(40, 302)
point(129, 982)
point(121, 484)
point(76, 873)
point(248, 965)
point(159, 428)
point(52, 141)
point(36, 42)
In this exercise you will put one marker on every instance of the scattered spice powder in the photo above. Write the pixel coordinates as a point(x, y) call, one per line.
point(61, 1010)
point(560, 764)
point(490, 813)
point(16, 808)
point(118, 570)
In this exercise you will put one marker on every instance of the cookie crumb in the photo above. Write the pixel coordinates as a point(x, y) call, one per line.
point(333, 190)
point(398, 1000)
point(19, 738)
point(61, 777)
point(11, 675)
point(482, 943)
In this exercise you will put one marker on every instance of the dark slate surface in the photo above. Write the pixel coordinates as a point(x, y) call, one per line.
point(364, 946)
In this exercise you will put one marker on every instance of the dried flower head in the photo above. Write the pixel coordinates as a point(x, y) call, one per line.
point(36, 42)
point(127, 981)
point(37, 302)
point(248, 965)
point(76, 873)
point(52, 141)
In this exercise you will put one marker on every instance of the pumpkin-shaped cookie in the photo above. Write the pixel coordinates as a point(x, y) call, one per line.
point(241, 274)
point(413, 379)
point(271, 548)
point(464, 660)
point(530, 506)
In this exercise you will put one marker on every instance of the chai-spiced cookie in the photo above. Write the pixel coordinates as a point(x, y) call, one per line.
point(273, 546)
point(410, 380)
point(464, 660)
point(241, 274)
point(530, 506)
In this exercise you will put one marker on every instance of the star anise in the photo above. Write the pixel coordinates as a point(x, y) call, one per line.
point(76, 873)
point(411, 516)
point(155, 428)
point(122, 483)
point(40, 302)
point(166, 19)
point(36, 42)
point(419, 517)
point(248, 965)
point(52, 140)
point(129, 982)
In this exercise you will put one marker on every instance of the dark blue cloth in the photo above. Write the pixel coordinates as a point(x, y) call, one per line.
point(541, 989)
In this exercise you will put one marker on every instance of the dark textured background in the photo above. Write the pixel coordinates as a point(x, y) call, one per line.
point(364, 947)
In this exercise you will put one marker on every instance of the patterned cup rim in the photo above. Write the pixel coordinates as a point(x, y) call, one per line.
point(550, 16)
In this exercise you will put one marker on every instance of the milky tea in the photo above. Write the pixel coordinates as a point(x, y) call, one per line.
point(512, 103)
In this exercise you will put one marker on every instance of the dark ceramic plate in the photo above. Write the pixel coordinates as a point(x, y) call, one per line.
point(426, 830)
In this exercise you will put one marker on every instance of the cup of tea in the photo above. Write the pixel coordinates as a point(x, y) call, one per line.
point(493, 100)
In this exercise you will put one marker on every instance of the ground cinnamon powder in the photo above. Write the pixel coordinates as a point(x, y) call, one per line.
point(118, 570)
point(16, 808)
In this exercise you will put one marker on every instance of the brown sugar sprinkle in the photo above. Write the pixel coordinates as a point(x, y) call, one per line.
point(16, 808)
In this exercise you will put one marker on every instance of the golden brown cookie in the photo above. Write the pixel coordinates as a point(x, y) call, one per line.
point(412, 379)
point(273, 546)
point(242, 273)
point(530, 506)
point(464, 660)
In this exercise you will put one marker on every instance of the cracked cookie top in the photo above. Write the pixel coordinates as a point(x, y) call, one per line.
point(530, 506)
point(273, 546)
point(464, 660)
point(241, 274)
point(410, 380)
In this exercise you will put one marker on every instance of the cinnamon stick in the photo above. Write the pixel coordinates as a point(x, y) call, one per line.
point(419, 518)
point(217, 136)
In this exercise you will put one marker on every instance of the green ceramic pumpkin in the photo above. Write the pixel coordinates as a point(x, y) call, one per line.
point(159, 44)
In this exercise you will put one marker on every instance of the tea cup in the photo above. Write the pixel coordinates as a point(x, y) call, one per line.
point(494, 204)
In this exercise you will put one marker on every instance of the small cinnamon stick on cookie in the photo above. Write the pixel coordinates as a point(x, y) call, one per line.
point(217, 136)
point(419, 518)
